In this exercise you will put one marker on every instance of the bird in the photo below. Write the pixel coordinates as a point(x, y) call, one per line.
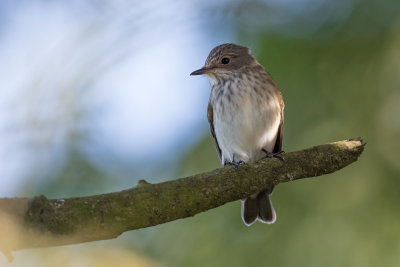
point(246, 114)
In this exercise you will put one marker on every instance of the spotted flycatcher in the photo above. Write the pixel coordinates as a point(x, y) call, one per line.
point(245, 112)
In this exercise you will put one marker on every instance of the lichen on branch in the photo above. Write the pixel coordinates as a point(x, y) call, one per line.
point(41, 222)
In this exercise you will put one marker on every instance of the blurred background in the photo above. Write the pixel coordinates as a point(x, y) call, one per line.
point(96, 94)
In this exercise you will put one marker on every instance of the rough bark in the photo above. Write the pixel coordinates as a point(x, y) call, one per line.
point(40, 222)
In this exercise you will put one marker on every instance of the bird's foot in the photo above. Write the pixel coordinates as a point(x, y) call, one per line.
point(274, 155)
point(234, 163)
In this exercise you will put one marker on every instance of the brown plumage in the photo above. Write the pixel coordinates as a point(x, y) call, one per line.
point(245, 113)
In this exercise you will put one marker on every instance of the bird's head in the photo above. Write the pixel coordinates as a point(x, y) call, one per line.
point(226, 60)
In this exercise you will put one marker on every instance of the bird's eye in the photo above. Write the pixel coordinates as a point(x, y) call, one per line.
point(225, 60)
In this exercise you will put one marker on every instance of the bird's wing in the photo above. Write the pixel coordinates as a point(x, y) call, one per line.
point(278, 142)
point(210, 117)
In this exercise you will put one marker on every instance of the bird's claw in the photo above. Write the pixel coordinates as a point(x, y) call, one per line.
point(235, 163)
point(274, 155)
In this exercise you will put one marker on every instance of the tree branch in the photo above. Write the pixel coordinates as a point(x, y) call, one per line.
point(41, 222)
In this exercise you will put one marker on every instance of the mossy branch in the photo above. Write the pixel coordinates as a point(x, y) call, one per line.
point(40, 222)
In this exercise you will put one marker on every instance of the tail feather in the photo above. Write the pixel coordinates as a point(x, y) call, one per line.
point(249, 210)
point(258, 207)
point(266, 212)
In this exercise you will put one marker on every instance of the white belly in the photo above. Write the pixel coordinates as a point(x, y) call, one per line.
point(244, 130)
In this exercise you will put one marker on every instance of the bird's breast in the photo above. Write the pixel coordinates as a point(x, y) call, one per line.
point(245, 121)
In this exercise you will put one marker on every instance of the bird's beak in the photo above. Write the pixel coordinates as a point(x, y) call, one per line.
point(201, 71)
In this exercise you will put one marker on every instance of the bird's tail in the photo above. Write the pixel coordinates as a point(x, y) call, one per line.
point(258, 207)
